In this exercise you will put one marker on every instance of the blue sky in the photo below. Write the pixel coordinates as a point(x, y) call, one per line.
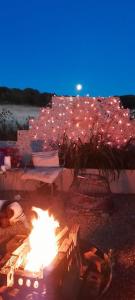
point(53, 45)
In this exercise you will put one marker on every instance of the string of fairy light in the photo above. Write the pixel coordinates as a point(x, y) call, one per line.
point(82, 117)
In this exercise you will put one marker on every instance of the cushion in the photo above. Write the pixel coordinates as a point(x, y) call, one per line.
point(45, 159)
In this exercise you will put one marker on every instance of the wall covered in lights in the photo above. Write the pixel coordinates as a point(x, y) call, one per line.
point(78, 117)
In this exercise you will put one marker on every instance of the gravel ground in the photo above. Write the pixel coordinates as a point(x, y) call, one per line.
point(114, 231)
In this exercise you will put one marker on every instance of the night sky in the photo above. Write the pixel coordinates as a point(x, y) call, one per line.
point(53, 45)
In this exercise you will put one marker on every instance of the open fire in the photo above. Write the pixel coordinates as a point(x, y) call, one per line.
point(48, 263)
point(42, 241)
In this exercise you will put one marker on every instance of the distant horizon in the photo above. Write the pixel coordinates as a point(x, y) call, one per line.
point(64, 95)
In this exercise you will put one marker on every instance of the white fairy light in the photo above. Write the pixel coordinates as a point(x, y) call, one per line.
point(80, 117)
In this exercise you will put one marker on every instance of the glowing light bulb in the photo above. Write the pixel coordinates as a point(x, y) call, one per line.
point(120, 121)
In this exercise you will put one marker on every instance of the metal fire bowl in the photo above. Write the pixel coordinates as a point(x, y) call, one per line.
point(71, 276)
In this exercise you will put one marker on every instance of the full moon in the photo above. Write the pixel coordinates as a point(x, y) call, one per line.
point(79, 87)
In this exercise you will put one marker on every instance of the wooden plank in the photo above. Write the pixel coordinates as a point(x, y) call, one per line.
point(74, 232)
point(61, 234)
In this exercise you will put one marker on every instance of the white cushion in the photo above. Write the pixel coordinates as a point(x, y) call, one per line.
point(45, 159)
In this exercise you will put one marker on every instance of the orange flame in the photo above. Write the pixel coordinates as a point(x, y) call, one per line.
point(42, 240)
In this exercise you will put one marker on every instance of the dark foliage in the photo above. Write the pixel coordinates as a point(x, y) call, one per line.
point(109, 160)
point(9, 126)
point(24, 97)
point(33, 97)
point(128, 101)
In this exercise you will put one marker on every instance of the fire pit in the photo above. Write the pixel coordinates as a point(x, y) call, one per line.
point(46, 265)
point(42, 262)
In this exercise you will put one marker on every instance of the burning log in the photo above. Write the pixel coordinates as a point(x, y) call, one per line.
point(61, 279)
point(10, 265)
point(13, 271)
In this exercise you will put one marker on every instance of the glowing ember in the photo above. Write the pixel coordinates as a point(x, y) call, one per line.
point(43, 243)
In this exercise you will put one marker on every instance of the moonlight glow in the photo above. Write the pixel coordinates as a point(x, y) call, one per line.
point(79, 87)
